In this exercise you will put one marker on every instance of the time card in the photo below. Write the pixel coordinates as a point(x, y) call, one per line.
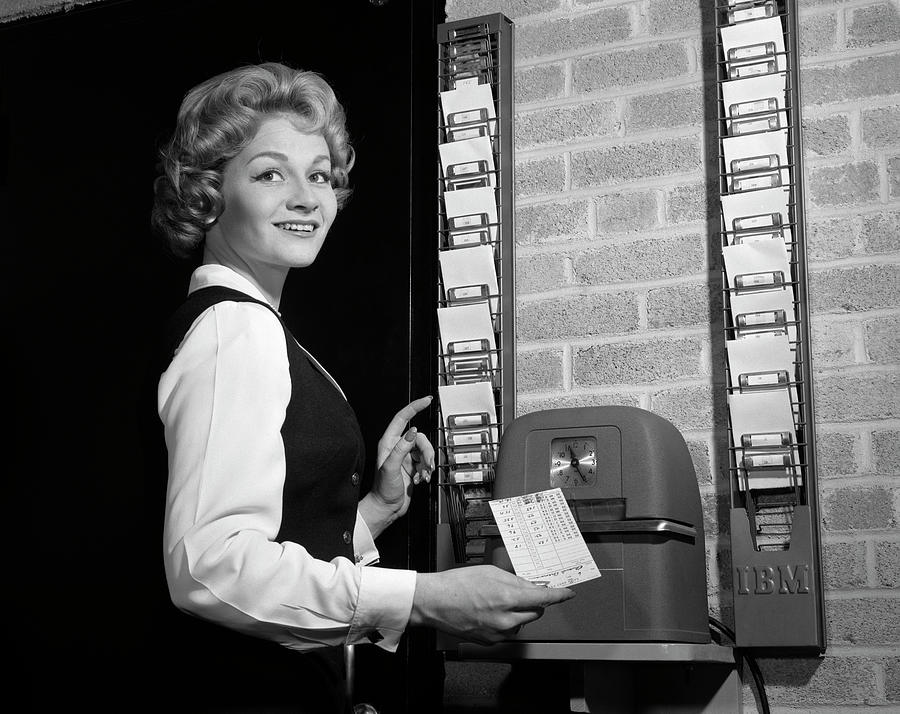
point(543, 540)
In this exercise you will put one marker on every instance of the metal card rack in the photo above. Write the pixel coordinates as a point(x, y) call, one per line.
point(775, 539)
point(476, 51)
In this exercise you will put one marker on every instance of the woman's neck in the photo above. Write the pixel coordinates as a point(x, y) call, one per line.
point(268, 279)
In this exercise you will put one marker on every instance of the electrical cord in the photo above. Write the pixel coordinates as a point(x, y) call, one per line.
point(751, 663)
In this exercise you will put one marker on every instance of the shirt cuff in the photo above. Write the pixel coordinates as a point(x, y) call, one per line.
point(383, 608)
point(364, 550)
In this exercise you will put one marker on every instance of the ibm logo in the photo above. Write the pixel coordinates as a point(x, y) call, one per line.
point(771, 579)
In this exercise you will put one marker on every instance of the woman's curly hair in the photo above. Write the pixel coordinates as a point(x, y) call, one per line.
point(217, 119)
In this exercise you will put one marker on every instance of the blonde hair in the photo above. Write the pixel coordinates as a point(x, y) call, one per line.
point(217, 119)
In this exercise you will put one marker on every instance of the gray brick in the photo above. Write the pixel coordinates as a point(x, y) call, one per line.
point(887, 564)
point(892, 679)
point(539, 370)
point(539, 273)
point(893, 170)
point(700, 457)
point(881, 232)
point(848, 398)
point(678, 15)
point(561, 35)
point(513, 9)
point(641, 260)
point(615, 164)
point(677, 107)
point(883, 340)
point(848, 184)
point(563, 125)
point(625, 212)
point(837, 454)
point(858, 508)
point(692, 202)
point(690, 407)
point(833, 344)
point(881, 127)
point(873, 25)
point(853, 289)
point(528, 404)
point(551, 222)
point(818, 34)
point(831, 238)
point(578, 316)
point(535, 84)
point(813, 681)
point(637, 362)
point(863, 621)
point(826, 136)
point(538, 176)
point(845, 565)
point(684, 305)
point(886, 451)
point(868, 77)
point(628, 67)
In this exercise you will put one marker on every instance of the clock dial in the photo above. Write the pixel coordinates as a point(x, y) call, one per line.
point(573, 462)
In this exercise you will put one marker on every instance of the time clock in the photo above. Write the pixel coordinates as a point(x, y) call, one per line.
point(573, 462)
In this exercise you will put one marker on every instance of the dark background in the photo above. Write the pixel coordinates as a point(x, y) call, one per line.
point(86, 99)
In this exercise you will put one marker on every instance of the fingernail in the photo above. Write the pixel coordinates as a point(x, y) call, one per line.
point(416, 479)
point(411, 435)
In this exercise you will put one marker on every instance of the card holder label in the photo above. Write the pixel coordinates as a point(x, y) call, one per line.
point(778, 378)
point(757, 181)
point(778, 438)
point(757, 106)
point(773, 279)
point(754, 163)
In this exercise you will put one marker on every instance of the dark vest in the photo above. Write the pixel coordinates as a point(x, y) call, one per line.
point(323, 445)
point(324, 459)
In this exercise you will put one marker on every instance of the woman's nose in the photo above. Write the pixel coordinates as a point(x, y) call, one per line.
point(303, 198)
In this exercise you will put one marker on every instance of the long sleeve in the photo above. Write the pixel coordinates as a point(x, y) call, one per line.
point(222, 402)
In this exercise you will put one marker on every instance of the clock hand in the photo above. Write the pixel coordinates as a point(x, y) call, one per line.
point(576, 463)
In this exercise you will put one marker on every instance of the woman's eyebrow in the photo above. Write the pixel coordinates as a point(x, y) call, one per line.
point(271, 154)
point(284, 158)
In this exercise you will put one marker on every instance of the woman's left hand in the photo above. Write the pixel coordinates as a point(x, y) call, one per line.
point(405, 458)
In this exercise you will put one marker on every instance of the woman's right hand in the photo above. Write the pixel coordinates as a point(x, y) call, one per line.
point(480, 603)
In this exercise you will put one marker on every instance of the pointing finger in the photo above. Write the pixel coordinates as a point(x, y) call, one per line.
point(398, 423)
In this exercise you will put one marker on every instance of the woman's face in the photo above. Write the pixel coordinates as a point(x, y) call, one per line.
point(279, 203)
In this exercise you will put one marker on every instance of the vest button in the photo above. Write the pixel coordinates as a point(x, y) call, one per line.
point(354, 479)
point(348, 537)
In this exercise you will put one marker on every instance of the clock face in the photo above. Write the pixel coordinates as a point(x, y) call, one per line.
point(573, 462)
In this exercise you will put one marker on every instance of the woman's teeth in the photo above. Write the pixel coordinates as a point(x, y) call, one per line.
point(298, 227)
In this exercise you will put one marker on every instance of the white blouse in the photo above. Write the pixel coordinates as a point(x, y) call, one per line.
point(222, 401)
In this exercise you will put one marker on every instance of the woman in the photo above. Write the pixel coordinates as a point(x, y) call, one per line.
point(265, 533)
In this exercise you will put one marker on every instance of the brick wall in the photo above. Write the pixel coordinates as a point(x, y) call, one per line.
point(618, 279)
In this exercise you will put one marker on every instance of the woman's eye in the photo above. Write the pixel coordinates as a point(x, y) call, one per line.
point(321, 177)
point(270, 175)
